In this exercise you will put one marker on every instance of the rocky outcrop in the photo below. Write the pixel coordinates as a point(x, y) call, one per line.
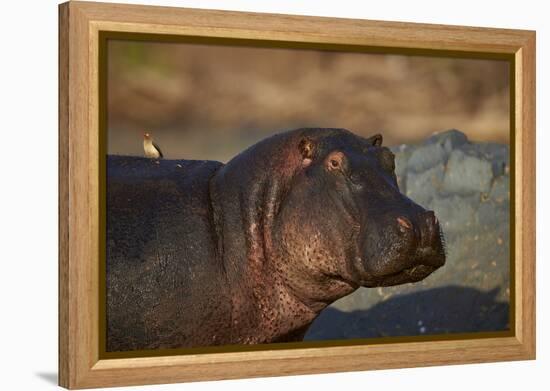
point(467, 184)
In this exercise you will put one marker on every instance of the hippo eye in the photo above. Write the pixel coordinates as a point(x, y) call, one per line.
point(334, 161)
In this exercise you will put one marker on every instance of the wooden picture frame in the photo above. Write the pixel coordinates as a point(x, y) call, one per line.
point(80, 202)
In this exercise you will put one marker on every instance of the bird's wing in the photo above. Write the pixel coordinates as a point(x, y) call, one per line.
point(158, 149)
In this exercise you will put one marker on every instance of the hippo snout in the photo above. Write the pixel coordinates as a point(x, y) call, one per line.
point(424, 236)
point(431, 250)
point(407, 248)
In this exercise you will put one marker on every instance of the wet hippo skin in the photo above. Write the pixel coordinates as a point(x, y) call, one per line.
point(200, 253)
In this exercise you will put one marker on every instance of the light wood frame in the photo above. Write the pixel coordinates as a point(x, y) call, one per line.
point(80, 365)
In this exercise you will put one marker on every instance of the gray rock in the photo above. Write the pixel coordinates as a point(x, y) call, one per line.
point(357, 300)
point(500, 190)
point(467, 174)
point(426, 156)
point(497, 154)
point(420, 185)
point(402, 154)
point(456, 213)
point(491, 213)
point(449, 139)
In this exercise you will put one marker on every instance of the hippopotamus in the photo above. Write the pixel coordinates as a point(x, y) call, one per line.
point(200, 253)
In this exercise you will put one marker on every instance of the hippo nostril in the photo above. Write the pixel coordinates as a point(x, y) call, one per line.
point(430, 228)
point(404, 224)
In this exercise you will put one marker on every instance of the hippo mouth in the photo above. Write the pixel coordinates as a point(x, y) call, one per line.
point(408, 275)
point(424, 263)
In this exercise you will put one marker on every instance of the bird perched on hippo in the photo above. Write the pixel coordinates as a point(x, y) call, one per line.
point(201, 253)
point(150, 148)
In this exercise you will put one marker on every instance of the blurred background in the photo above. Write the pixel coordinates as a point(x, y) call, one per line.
point(211, 102)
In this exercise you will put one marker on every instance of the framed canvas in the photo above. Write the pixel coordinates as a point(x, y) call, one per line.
point(246, 195)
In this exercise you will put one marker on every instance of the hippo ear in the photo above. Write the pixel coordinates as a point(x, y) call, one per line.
point(306, 148)
point(375, 140)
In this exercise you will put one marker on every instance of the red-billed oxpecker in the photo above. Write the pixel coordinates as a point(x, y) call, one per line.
point(151, 149)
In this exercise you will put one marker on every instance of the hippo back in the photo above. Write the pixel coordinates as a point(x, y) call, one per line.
point(160, 238)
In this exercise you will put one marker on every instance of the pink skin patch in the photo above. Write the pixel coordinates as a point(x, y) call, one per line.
point(294, 158)
point(404, 224)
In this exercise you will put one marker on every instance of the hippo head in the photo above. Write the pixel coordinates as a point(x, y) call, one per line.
point(323, 208)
